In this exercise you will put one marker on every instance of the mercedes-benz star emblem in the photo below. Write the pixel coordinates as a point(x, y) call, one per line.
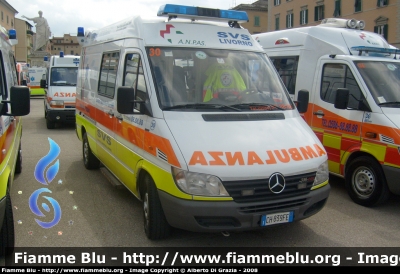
point(276, 183)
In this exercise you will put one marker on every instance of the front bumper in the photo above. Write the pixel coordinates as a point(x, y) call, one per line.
point(219, 216)
point(62, 115)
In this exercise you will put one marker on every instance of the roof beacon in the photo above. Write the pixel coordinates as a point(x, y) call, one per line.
point(343, 23)
point(197, 13)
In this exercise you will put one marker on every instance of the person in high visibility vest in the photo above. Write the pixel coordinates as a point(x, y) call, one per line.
point(222, 77)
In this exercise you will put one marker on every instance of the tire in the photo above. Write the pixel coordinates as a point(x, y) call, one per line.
point(45, 111)
point(50, 124)
point(89, 159)
point(18, 164)
point(366, 182)
point(156, 226)
point(7, 233)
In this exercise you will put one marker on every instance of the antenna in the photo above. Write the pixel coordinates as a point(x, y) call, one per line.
point(346, 45)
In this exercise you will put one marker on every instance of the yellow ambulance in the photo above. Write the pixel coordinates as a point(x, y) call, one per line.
point(14, 102)
point(187, 112)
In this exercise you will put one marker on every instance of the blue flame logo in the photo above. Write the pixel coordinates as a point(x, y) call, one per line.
point(44, 174)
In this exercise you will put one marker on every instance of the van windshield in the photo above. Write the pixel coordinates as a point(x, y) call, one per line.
point(63, 76)
point(383, 81)
point(189, 79)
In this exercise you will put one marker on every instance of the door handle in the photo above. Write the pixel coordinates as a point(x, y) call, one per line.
point(111, 113)
point(319, 113)
point(119, 117)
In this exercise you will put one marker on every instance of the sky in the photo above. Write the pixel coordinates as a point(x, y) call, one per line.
point(65, 16)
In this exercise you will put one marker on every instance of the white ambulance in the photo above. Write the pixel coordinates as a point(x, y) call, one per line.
point(60, 89)
point(14, 102)
point(353, 77)
point(175, 110)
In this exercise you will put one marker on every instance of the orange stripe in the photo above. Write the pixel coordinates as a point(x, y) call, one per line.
point(7, 138)
point(145, 140)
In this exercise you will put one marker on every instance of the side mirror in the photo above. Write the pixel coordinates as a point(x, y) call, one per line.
point(19, 101)
point(24, 83)
point(342, 98)
point(43, 83)
point(303, 98)
point(125, 100)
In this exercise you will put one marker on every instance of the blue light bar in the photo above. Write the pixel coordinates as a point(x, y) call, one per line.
point(81, 32)
point(198, 13)
point(375, 49)
point(12, 34)
point(61, 54)
point(176, 9)
point(235, 15)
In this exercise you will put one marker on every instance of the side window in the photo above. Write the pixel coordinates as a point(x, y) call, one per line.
point(108, 74)
point(339, 76)
point(13, 69)
point(287, 69)
point(3, 90)
point(134, 77)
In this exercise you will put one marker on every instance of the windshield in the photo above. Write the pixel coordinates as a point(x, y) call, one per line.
point(63, 76)
point(189, 79)
point(383, 81)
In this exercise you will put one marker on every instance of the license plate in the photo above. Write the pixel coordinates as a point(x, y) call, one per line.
point(277, 218)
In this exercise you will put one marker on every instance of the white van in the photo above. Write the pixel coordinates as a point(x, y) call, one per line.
point(353, 77)
point(14, 102)
point(175, 110)
point(60, 89)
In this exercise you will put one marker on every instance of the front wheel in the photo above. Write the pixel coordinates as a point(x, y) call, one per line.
point(7, 238)
point(366, 182)
point(156, 225)
point(89, 159)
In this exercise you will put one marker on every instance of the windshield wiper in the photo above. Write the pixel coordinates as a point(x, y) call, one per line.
point(389, 103)
point(257, 104)
point(202, 106)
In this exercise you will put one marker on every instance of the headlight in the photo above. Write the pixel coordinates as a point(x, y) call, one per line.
point(322, 174)
point(198, 184)
point(56, 104)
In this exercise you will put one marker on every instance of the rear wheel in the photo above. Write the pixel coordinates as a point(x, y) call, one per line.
point(156, 225)
point(7, 238)
point(89, 159)
point(366, 182)
point(18, 164)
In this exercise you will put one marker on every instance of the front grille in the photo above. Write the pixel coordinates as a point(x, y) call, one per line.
point(274, 206)
point(295, 186)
